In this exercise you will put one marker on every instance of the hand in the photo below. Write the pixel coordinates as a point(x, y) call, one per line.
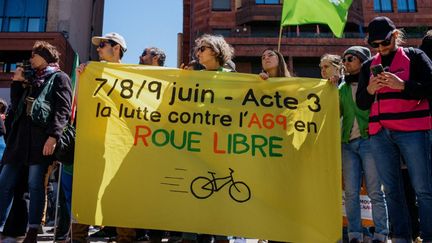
point(19, 75)
point(391, 80)
point(80, 69)
point(375, 83)
point(183, 66)
point(264, 75)
point(49, 146)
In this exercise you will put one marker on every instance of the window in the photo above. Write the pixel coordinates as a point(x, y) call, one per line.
point(268, 1)
point(221, 5)
point(33, 25)
point(13, 67)
point(382, 6)
point(222, 32)
point(407, 6)
point(14, 24)
point(23, 15)
point(2, 6)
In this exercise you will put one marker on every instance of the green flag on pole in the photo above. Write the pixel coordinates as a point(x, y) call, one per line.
point(331, 12)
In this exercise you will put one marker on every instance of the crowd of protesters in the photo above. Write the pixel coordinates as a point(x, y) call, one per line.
point(386, 122)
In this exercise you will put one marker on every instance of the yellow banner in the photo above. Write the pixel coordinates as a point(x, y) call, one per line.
point(208, 152)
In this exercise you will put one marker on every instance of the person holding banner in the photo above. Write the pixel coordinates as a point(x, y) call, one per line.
point(155, 57)
point(41, 103)
point(273, 65)
point(357, 159)
point(392, 85)
point(152, 56)
point(213, 52)
point(331, 67)
point(110, 48)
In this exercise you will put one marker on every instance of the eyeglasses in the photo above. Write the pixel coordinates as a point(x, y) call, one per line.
point(202, 48)
point(385, 42)
point(348, 59)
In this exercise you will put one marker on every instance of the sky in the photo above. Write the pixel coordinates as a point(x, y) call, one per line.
point(145, 23)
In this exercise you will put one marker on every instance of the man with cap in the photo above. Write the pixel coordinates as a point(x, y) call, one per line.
point(110, 48)
point(357, 157)
point(399, 123)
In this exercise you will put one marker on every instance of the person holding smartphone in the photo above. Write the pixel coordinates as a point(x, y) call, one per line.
point(399, 123)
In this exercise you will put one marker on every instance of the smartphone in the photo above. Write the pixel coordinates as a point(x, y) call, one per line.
point(377, 69)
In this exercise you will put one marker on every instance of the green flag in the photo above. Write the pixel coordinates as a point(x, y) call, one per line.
point(331, 12)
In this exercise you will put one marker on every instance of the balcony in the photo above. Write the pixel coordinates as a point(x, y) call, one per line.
point(252, 13)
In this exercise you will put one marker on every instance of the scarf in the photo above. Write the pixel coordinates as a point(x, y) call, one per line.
point(352, 78)
point(43, 73)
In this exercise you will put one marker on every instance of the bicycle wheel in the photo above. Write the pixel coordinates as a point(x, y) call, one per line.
point(201, 187)
point(239, 191)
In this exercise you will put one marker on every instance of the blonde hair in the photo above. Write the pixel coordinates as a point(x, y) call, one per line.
point(400, 40)
point(335, 61)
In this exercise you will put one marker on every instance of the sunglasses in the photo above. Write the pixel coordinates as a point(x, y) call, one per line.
point(149, 52)
point(385, 42)
point(102, 44)
point(202, 48)
point(348, 59)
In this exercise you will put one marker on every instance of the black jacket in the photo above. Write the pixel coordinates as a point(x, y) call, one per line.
point(419, 85)
point(25, 140)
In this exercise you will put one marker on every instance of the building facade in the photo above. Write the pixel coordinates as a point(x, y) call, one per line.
point(67, 24)
point(253, 25)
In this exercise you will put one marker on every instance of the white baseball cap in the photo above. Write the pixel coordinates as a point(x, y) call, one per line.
point(110, 36)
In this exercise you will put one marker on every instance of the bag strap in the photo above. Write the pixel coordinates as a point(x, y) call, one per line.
point(47, 86)
point(27, 92)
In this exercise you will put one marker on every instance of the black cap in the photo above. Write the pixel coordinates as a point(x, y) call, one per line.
point(361, 52)
point(380, 28)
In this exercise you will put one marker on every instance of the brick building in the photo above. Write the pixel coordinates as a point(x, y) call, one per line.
point(67, 24)
point(252, 25)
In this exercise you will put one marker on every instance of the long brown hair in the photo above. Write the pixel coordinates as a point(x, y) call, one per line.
point(282, 70)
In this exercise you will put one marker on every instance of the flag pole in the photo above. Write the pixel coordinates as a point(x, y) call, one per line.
point(280, 38)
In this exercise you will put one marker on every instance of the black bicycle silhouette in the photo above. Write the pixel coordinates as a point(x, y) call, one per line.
point(203, 187)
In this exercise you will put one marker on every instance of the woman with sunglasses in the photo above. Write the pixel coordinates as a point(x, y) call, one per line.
point(399, 123)
point(213, 52)
point(273, 64)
